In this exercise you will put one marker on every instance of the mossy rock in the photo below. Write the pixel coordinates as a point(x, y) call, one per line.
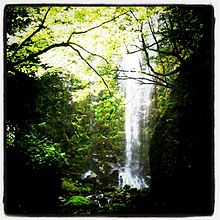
point(126, 187)
point(71, 187)
point(78, 201)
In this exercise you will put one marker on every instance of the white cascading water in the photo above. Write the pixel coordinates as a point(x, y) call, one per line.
point(137, 100)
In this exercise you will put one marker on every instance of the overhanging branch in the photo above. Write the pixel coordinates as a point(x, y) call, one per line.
point(154, 77)
point(94, 54)
point(157, 44)
point(94, 27)
point(147, 56)
point(80, 55)
point(64, 44)
point(33, 55)
point(156, 74)
point(143, 80)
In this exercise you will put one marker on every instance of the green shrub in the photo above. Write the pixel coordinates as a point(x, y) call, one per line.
point(40, 152)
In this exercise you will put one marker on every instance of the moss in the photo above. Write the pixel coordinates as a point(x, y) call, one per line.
point(75, 188)
point(78, 201)
point(69, 186)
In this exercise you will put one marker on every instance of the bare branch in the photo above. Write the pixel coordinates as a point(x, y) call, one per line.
point(134, 51)
point(148, 61)
point(147, 55)
point(158, 47)
point(158, 41)
point(145, 73)
point(148, 46)
point(35, 32)
point(31, 56)
point(142, 79)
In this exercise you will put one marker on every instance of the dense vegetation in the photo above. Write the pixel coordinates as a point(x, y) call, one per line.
point(65, 111)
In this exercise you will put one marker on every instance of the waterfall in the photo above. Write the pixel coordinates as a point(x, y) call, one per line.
point(137, 101)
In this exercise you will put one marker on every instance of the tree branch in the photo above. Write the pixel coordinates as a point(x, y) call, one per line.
point(148, 74)
point(33, 55)
point(141, 81)
point(177, 70)
point(64, 44)
point(134, 15)
point(148, 60)
point(149, 46)
point(163, 52)
point(30, 36)
point(94, 54)
point(94, 27)
point(147, 56)
point(91, 68)
point(158, 47)
point(134, 51)
point(173, 39)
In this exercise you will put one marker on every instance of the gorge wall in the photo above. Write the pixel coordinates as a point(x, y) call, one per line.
point(181, 152)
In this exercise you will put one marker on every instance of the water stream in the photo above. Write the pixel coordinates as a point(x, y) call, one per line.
point(137, 100)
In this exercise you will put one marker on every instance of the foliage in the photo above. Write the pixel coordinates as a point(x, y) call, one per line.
point(17, 23)
point(41, 151)
point(52, 106)
point(10, 135)
point(108, 123)
point(52, 28)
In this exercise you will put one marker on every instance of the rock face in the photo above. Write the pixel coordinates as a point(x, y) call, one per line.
point(181, 153)
point(88, 174)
